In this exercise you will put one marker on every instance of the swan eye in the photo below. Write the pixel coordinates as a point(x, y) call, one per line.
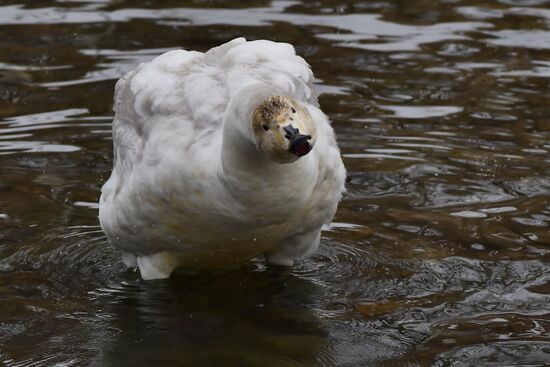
point(265, 127)
point(293, 110)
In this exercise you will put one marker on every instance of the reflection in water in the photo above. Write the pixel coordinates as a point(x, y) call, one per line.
point(440, 250)
point(243, 317)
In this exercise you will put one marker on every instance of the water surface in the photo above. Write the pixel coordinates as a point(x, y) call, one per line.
point(440, 251)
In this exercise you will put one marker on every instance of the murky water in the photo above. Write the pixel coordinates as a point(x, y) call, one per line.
point(439, 254)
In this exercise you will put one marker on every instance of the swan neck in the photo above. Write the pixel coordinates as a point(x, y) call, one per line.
point(241, 160)
point(244, 164)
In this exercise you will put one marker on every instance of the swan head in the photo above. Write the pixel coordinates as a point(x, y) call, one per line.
point(283, 129)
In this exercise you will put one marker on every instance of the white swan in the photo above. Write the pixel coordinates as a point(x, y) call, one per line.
point(219, 157)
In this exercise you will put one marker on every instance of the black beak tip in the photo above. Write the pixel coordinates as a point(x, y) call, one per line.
point(300, 145)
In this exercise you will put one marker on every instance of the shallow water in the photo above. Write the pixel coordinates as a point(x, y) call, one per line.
point(440, 251)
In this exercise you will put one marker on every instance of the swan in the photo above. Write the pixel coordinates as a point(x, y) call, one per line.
point(219, 157)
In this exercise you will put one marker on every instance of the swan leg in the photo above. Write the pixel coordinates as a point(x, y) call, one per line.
point(278, 259)
point(293, 248)
point(156, 266)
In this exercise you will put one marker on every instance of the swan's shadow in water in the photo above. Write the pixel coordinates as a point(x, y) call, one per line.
point(239, 317)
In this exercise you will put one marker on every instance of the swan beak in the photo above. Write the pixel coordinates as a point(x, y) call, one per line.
point(298, 143)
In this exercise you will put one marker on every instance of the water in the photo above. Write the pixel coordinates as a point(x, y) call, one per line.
point(440, 251)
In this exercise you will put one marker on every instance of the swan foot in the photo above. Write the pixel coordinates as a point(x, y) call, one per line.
point(156, 266)
point(294, 247)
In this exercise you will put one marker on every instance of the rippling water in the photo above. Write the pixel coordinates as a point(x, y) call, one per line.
point(439, 254)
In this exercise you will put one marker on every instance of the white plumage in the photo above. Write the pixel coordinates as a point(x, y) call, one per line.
point(193, 182)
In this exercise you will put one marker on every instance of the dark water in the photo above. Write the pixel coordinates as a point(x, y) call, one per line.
point(439, 254)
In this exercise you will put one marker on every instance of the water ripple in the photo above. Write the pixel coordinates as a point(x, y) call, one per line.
point(440, 249)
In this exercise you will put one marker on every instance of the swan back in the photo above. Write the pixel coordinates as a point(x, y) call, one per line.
point(195, 88)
